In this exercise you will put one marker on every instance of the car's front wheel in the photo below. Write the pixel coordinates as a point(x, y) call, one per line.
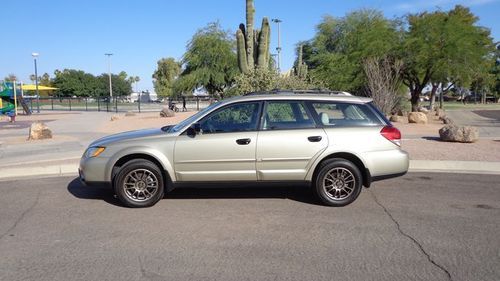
point(338, 182)
point(139, 183)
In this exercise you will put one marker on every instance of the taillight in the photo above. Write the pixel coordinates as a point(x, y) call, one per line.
point(392, 134)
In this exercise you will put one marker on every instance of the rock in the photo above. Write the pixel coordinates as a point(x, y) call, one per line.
point(402, 113)
point(166, 112)
point(396, 118)
point(455, 133)
point(417, 117)
point(114, 117)
point(130, 113)
point(39, 131)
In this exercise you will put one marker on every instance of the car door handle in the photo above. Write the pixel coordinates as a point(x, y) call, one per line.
point(314, 138)
point(243, 141)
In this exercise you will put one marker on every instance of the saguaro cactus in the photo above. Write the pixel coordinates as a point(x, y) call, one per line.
point(253, 44)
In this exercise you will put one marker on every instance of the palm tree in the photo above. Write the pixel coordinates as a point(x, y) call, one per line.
point(136, 79)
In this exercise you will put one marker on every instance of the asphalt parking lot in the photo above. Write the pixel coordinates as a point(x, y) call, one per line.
point(417, 227)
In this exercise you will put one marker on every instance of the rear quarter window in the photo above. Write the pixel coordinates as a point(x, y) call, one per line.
point(340, 114)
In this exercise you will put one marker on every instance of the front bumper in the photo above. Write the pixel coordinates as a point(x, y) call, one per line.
point(93, 170)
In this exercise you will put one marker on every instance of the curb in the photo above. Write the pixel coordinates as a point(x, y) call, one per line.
point(462, 167)
point(416, 166)
point(50, 170)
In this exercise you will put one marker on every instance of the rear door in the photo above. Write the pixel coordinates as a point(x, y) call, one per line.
point(288, 142)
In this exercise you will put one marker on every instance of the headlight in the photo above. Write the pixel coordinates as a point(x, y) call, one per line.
point(93, 151)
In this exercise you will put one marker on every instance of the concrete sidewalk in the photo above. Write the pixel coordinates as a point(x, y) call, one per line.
point(69, 166)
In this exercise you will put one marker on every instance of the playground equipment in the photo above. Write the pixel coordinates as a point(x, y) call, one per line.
point(10, 97)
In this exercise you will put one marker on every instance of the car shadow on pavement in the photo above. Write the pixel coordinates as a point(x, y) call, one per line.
point(300, 193)
point(80, 191)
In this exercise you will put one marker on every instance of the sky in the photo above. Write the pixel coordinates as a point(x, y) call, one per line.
point(77, 34)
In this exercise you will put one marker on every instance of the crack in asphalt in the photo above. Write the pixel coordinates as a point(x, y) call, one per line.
point(415, 241)
point(22, 216)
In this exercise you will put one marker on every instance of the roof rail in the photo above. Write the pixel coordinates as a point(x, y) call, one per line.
point(298, 92)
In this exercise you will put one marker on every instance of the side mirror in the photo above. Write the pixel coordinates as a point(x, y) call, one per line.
point(194, 129)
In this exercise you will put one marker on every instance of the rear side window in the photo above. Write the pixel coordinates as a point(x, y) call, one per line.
point(345, 114)
point(286, 115)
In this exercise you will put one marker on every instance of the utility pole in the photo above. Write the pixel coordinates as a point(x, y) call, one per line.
point(278, 49)
point(35, 55)
point(109, 74)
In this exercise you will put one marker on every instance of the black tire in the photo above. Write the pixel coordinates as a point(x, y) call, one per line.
point(136, 194)
point(338, 189)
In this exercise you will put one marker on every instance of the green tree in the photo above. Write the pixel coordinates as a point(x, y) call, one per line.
point(444, 48)
point(164, 76)
point(336, 54)
point(496, 72)
point(263, 79)
point(121, 85)
point(45, 80)
point(72, 82)
point(209, 62)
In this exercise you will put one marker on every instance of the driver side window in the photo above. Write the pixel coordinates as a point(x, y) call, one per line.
point(232, 118)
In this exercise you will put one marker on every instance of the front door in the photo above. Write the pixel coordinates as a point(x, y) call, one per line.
point(224, 150)
point(288, 142)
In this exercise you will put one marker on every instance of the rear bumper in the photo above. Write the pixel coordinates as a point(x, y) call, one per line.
point(389, 162)
point(385, 165)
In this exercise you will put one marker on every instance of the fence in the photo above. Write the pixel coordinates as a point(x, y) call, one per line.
point(110, 104)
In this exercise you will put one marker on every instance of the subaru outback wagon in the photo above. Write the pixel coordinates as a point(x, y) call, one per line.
point(334, 142)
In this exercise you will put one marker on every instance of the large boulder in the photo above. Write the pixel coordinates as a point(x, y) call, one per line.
point(455, 133)
point(114, 117)
point(417, 117)
point(39, 131)
point(166, 112)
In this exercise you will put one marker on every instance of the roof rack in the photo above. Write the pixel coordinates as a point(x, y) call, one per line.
point(298, 92)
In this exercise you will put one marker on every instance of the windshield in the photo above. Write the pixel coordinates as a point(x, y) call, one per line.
point(192, 118)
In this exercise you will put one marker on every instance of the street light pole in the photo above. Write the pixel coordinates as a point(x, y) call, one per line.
point(109, 74)
point(278, 49)
point(35, 55)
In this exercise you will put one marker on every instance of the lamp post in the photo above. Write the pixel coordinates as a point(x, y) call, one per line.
point(109, 74)
point(35, 55)
point(278, 49)
point(274, 56)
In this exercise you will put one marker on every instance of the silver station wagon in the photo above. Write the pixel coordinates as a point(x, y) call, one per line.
point(332, 141)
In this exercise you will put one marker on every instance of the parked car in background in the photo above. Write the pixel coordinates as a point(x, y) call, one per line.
point(334, 142)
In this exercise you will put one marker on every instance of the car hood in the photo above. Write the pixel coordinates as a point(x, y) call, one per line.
point(128, 136)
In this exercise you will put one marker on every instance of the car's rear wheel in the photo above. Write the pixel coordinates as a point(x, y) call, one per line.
point(338, 182)
point(139, 183)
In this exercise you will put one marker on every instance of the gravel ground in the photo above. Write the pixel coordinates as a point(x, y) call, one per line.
point(422, 143)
